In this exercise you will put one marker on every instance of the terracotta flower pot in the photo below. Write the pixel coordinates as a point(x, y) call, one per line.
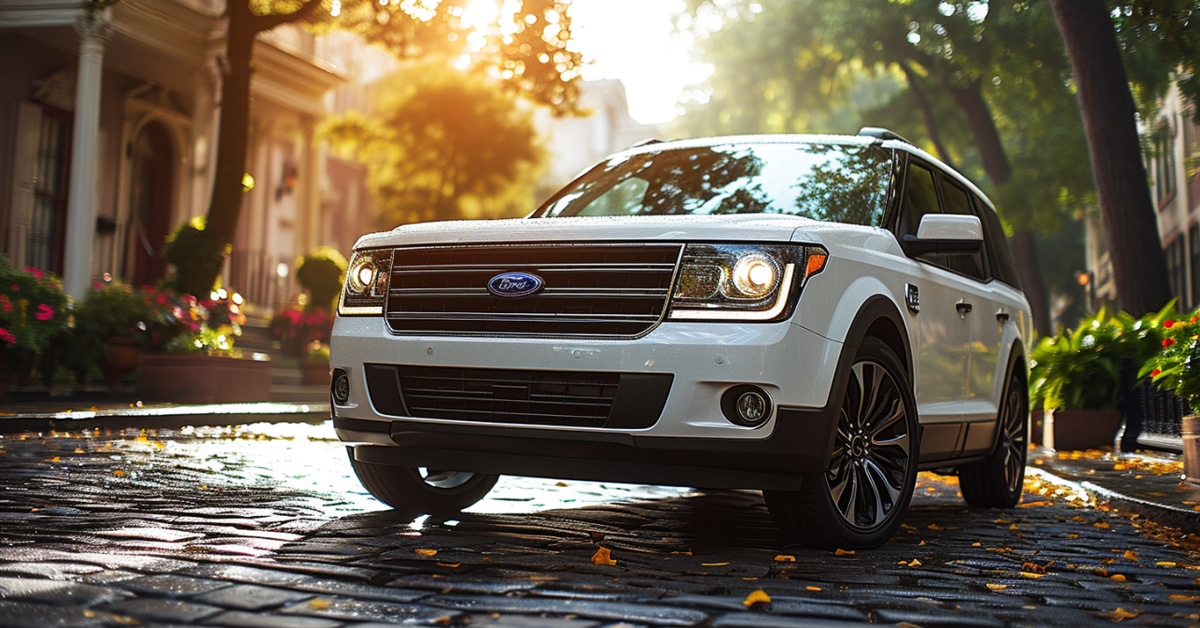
point(121, 357)
point(1081, 429)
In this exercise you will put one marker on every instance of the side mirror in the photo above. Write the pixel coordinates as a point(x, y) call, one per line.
point(945, 234)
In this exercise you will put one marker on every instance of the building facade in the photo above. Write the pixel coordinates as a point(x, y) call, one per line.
point(1174, 167)
point(108, 120)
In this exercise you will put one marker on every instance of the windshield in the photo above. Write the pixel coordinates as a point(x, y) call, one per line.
point(826, 182)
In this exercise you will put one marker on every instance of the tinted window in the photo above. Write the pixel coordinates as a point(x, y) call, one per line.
point(826, 182)
point(957, 201)
point(920, 198)
point(999, 255)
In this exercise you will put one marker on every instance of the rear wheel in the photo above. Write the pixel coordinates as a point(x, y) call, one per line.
point(998, 481)
point(858, 502)
point(422, 490)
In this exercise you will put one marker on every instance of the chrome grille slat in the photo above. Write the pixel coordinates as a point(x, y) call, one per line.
point(603, 290)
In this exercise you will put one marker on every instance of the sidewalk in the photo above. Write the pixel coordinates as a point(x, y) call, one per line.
point(1145, 483)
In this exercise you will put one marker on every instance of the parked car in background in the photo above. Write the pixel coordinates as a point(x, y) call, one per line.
point(816, 317)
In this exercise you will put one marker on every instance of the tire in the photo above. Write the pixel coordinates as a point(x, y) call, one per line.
point(859, 501)
point(420, 490)
point(998, 481)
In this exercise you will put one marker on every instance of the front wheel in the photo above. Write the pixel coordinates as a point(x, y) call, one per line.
point(422, 490)
point(858, 502)
point(998, 481)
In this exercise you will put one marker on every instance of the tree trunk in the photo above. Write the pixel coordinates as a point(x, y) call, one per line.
point(1139, 266)
point(995, 164)
point(226, 203)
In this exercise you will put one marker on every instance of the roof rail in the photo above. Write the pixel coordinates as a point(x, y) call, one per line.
point(646, 142)
point(881, 133)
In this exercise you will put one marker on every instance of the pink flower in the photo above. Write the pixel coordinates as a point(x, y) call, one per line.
point(44, 313)
point(34, 271)
point(6, 336)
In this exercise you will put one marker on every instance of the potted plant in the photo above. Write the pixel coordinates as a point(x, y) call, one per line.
point(315, 366)
point(1075, 376)
point(193, 358)
point(1176, 367)
point(33, 309)
point(111, 326)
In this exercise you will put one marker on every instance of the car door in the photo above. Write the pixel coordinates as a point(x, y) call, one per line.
point(943, 348)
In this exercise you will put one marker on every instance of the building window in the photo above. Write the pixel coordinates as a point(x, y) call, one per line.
point(1164, 166)
point(1176, 258)
point(47, 231)
point(1194, 264)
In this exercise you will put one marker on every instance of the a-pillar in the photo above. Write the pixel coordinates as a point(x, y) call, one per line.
point(94, 27)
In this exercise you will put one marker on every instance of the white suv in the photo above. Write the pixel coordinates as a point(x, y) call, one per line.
point(817, 317)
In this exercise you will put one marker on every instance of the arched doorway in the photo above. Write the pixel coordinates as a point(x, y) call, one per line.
point(150, 205)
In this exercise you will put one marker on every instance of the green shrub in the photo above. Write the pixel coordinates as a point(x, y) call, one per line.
point(321, 273)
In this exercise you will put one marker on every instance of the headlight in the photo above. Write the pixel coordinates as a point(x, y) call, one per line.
point(366, 283)
point(742, 281)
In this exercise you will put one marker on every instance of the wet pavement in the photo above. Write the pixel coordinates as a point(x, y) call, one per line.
point(264, 525)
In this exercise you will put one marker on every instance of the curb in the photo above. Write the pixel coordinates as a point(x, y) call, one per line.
point(166, 416)
point(1187, 521)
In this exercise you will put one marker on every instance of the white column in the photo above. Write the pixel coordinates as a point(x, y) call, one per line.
point(94, 28)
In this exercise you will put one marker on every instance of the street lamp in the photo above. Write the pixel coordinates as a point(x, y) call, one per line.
point(1087, 280)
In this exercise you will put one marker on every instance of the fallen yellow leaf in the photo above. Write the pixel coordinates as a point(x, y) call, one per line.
point(1131, 555)
point(450, 565)
point(1120, 614)
point(119, 473)
point(785, 558)
point(603, 557)
point(1032, 574)
point(842, 552)
point(1169, 564)
point(319, 604)
point(1103, 525)
point(997, 587)
point(756, 597)
point(1180, 597)
point(714, 564)
point(426, 552)
point(935, 527)
point(812, 588)
point(1117, 577)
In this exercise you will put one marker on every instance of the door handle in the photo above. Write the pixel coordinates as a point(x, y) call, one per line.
point(1002, 316)
point(963, 308)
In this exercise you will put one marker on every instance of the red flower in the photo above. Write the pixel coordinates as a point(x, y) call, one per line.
point(44, 313)
point(1168, 323)
point(1155, 373)
point(1168, 342)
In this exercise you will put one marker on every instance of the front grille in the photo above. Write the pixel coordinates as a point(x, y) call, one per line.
point(528, 397)
point(590, 289)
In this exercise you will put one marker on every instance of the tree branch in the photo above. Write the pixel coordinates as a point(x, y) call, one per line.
point(264, 23)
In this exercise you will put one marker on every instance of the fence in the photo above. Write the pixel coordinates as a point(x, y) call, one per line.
point(1152, 418)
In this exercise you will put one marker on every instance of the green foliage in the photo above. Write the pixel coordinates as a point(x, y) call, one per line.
point(33, 309)
point(322, 272)
point(1080, 369)
point(1176, 364)
point(197, 258)
point(443, 145)
point(112, 309)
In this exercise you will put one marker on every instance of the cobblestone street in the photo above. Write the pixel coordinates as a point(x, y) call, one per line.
point(256, 527)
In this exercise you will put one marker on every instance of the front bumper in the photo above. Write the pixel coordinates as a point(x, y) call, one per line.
point(690, 442)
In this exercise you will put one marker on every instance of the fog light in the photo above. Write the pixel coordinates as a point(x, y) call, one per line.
point(746, 405)
point(340, 388)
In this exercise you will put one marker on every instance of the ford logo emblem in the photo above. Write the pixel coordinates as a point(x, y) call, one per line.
point(515, 284)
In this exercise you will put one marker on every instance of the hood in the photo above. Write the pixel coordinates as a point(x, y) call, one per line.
point(724, 228)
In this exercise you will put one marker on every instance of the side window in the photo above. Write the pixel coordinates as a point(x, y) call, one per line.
point(957, 201)
point(920, 198)
point(999, 255)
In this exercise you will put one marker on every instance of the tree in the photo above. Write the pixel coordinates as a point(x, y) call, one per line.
point(957, 60)
point(443, 143)
point(528, 51)
point(1109, 120)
